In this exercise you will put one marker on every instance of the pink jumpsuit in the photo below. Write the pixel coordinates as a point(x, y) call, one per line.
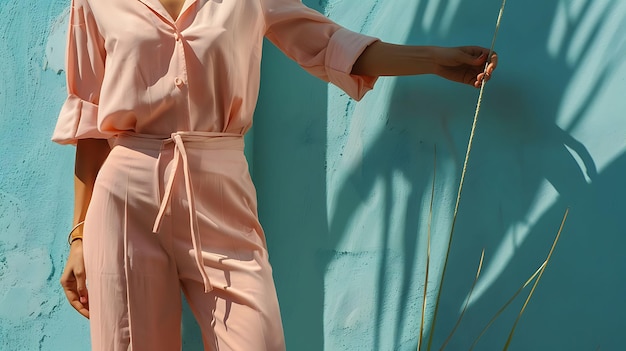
point(173, 206)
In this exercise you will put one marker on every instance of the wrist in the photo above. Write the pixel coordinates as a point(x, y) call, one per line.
point(426, 58)
point(76, 241)
point(76, 233)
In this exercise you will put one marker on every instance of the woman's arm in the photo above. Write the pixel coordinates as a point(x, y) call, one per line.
point(90, 154)
point(461, 64)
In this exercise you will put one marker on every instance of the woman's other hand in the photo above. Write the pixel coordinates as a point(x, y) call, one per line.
point(73, 279)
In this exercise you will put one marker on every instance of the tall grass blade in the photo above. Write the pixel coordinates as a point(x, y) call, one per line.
point(465, 162)
point(430, 220)
point(469, 296)
point(556, 240)
point(504, 307)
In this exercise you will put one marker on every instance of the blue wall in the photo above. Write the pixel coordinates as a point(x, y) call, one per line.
point(344, 187)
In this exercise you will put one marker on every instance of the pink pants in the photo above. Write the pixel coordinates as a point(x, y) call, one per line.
point(209, 244)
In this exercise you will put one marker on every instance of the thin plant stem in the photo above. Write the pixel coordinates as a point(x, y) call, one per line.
point(458, 198)
point(556, 240)
point(430, 220)
point(469, 296)
point(504, 307)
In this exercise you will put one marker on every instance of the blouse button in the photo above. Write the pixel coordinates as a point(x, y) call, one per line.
point(178, 81)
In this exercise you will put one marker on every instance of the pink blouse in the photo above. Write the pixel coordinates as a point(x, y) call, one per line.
point(133, 68)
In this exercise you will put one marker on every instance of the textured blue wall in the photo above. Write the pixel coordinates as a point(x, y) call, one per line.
point(344, 187)
point(35, 184)
point(345, 198)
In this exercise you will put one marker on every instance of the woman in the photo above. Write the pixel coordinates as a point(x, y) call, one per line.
point(160, 96)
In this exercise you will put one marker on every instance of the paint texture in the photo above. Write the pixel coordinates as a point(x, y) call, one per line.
point(344, 187)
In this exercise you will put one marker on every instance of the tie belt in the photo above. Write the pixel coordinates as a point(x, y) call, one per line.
point(182, 141)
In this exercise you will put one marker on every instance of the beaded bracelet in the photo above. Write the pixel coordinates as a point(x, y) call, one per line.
point(70, 238)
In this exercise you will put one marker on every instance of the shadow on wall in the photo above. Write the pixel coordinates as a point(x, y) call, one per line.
point(524, 171)
point(289, 157)
point(289, 171)
point(534, 169)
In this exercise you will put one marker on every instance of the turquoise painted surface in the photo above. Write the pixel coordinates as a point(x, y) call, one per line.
point(344, 187)
point(35, 185)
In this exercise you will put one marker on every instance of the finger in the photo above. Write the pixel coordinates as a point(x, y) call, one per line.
point(81, 286)
point(475, 82)
point(475, 51)
point(480, 54)
point(82, 305)
point(74, 301)
point(473, 58)
point(84, 311)
point(493, 63)
point(70, 284)
point(479, 80)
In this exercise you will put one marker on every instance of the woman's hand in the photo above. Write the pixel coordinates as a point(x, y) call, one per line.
point(73, 279)
point(464, 64)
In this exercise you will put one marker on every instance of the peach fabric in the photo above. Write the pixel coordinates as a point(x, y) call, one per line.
point(135, 277)
point(175, 97)
point(131, 67)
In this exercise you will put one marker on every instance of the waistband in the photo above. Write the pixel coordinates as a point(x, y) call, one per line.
point(192, 140)
point(182, 141)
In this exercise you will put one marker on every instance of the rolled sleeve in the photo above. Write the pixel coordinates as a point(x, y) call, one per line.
point(77, 120)
point(319, 45)
point(344, 49)
point(84, 69)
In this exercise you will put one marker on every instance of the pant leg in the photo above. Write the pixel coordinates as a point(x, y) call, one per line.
point(241, 313)
point(244, 316)
point(134, 291)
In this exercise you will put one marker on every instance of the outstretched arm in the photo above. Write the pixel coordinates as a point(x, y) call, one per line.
point(459, 64)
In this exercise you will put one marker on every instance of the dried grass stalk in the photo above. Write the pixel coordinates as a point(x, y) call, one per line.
point(458, 198)
point(556, 240)
point(504, 307)
point(469, 296)
point(430, 220)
